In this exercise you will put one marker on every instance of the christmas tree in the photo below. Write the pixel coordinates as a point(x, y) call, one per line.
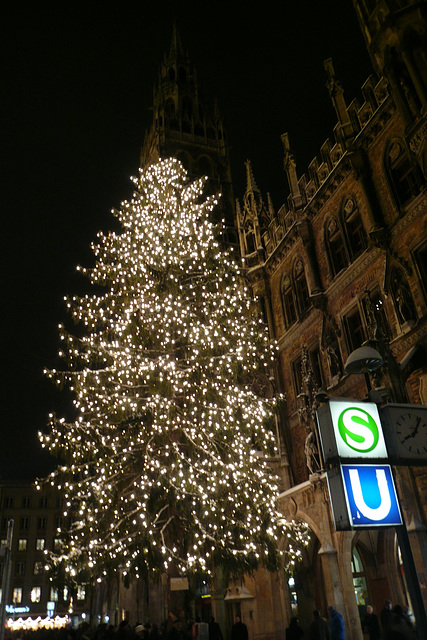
point(165, 464)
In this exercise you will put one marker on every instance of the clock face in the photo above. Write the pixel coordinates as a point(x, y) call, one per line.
point(411, 431)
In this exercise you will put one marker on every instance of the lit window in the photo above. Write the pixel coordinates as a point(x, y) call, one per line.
point(17, 595)
point(81, 593)
point(3, 543)
point(40, 544)
point(22, 544)
point(36, 594)
point(57, 542)
point(54, 594)
point(38, 568)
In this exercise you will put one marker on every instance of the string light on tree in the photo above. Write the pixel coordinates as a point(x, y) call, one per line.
point(165, 463)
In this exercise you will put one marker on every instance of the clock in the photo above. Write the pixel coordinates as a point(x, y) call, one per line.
point(405, 431)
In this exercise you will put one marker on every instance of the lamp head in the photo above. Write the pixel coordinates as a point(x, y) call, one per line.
point(363, 359)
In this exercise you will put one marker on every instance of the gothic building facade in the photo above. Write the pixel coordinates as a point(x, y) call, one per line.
point(342, 264)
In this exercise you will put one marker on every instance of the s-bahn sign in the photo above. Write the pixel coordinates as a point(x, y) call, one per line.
point(361, 487)
point(351, 430)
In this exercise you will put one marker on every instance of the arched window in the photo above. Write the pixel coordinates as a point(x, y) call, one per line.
point(295, 294)
point(359, 580)
point(355, 231)
point(401, 174)
point(301, 288)
point(250, 238)
point(336, 250)
point(288, 299)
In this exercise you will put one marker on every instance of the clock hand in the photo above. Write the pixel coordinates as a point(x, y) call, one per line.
point(410, 435)
point(414, 430)
point(417, 424)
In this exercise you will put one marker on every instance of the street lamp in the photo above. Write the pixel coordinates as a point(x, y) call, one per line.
point(363, 360)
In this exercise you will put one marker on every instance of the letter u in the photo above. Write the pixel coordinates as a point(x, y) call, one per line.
point(380, 512)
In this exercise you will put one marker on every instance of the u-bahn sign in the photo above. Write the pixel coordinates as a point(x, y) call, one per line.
point(363, 496)
point(351, 430)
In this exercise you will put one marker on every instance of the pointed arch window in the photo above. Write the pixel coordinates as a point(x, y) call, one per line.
point(301, 288)
point(336, 250)
point(401, 173)
point(288, 298)
point(295, 293)
point(355, 231)
point(250, 239)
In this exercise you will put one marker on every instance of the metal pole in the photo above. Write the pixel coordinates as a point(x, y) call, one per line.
point(412, 581)
point(6, 577)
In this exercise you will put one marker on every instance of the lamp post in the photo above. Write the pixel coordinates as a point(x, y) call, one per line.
point(364, 360)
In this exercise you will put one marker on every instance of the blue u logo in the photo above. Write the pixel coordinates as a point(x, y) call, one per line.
point(371, 495)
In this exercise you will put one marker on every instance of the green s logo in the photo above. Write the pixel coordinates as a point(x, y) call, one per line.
point(358, 429)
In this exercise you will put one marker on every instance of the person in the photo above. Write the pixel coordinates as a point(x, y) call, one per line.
point(175, 632)
point(239, 630)
point(319, 629)
point(215, 632)
point(336, 624)
point(386, 615)
point(399, 629)
point(371, 624)
point(294, 631)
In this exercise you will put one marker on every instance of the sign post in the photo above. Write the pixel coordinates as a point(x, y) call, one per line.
point(363, 495)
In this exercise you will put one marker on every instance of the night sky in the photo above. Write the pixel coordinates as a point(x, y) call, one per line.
point(77, 91)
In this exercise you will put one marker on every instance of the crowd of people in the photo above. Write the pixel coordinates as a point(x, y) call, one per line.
point(174, 628)
point(393, 623)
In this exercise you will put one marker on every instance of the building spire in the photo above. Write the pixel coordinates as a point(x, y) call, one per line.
point(252, 198)
point(176, 49)
point(336, 93)
point(291, 173)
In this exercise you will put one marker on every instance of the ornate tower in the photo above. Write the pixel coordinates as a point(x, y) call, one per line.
point(187, 127)
point(395, 32)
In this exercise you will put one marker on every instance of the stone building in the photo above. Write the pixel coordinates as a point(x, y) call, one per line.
point(342, 264)
point(38, 521)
